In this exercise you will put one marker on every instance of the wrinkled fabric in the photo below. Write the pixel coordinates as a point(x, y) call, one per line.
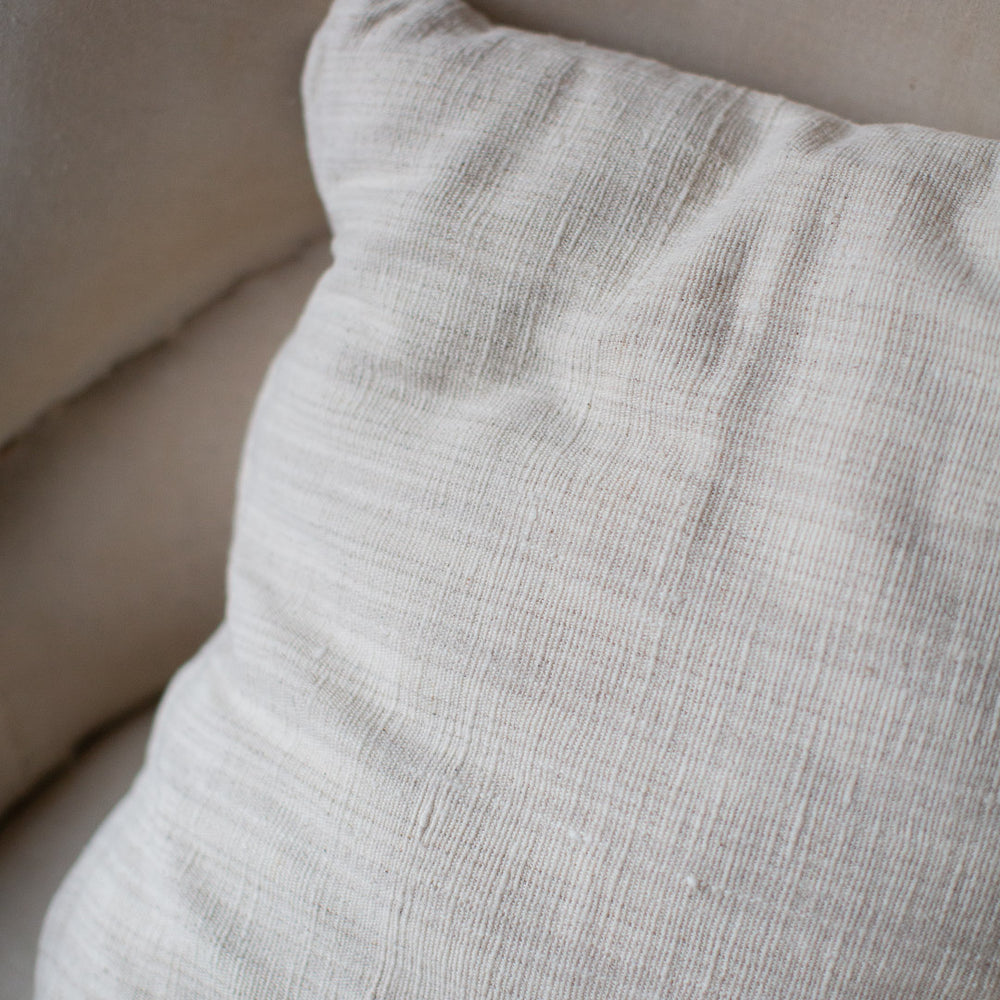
point(613, 594)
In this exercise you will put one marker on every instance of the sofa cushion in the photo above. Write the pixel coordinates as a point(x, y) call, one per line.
point(613, 594)
point(42, 838)
point(116, 517)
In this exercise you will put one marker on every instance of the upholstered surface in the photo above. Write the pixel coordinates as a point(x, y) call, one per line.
point(924, 61)
point(116, 520)
point(152, 156)
point(42, 839)
point(613, 591)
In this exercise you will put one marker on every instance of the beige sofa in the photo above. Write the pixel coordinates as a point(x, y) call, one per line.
point(161, 236)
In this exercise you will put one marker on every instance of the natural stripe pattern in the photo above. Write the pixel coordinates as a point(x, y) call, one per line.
point(614, 594)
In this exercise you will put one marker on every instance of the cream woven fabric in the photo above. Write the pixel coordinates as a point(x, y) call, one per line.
point(614, 594)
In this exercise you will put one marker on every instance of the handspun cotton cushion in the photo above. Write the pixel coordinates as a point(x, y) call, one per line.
point(614, 591)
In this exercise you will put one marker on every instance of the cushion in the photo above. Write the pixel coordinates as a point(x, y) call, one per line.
point(613, 594)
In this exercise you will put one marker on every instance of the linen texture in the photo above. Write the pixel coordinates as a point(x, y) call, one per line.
point(613, 596)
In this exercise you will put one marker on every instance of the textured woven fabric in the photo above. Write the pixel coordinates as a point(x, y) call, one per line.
point(613, 596)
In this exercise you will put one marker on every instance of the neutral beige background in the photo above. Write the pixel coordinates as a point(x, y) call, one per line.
point(151, 155)
point(41, 841)
point(931, 62)
point(114, 524)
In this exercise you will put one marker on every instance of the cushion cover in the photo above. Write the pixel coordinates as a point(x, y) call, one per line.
point(613, 596)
